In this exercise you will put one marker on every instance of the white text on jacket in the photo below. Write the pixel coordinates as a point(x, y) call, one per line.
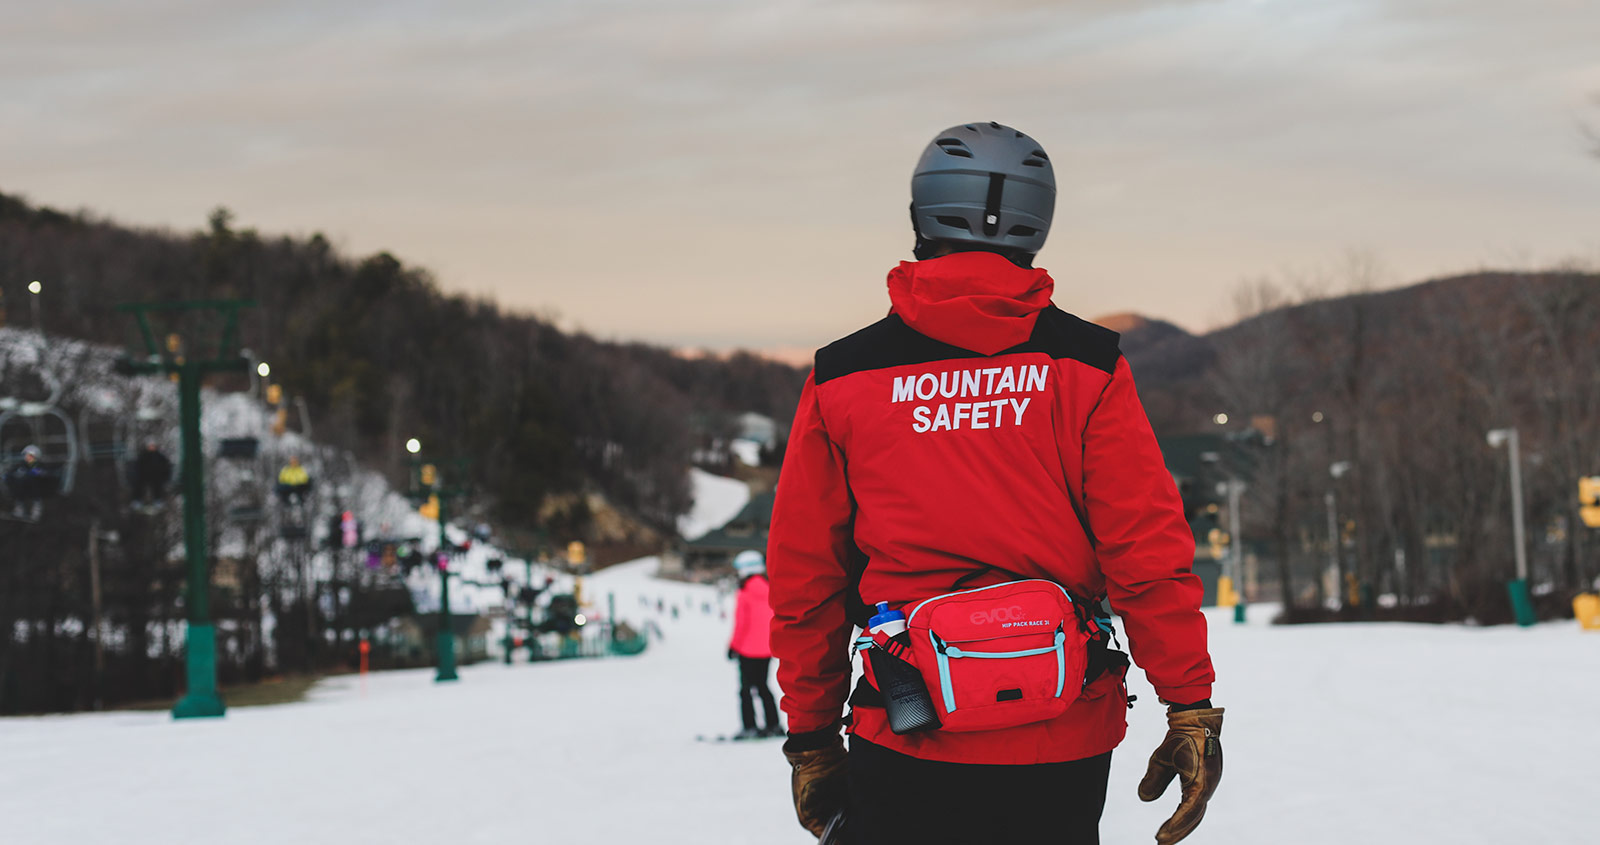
point(982, 384)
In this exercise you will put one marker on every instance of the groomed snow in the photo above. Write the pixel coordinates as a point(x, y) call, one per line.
point(716, 500)
point(1336, 734)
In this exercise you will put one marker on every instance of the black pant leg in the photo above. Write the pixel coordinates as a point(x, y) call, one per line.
point(753, 671)
point(747, 709)
point(753, 674)
point(752, 677)
point(897, 798)
point(894, 797)
point(1058, 803)
point(770, 706)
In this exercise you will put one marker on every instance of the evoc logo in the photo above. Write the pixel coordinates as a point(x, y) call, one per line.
point(1013, 613)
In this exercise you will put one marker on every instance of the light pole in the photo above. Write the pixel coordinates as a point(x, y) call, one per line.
point(1332, 501)
point(1521, 601)
point(35, 288)
point(427, 489)
point(1233, 573)
point(1336, 471)
point(1235, 491)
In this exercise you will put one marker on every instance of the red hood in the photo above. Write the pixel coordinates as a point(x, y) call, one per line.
point(975, 300)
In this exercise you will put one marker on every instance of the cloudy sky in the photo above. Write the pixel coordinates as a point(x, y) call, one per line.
point(735, 173)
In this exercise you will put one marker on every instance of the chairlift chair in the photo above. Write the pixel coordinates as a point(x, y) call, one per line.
point(42, 425)
point(246, 514)
point(239, 448)
point(147, 425)
point(103, 431)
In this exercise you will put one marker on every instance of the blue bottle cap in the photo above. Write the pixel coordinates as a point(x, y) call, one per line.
point(884, 616)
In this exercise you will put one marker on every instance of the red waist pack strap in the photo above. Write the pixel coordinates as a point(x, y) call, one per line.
point(893, 646)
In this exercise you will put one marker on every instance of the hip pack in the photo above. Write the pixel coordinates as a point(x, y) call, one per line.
point(1001, 656)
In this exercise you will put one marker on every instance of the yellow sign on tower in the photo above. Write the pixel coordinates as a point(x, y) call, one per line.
point(1589, 499)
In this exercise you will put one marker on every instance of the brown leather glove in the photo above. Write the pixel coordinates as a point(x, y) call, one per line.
point(819, 779)
point(1192, 752)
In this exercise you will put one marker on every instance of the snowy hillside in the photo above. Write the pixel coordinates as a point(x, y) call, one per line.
point(716, 500)
point(1336, 734)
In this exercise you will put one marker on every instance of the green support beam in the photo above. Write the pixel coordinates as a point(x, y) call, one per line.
point(201, 699)
point(423, 489)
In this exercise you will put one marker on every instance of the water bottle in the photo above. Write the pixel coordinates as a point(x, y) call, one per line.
point(905, 696)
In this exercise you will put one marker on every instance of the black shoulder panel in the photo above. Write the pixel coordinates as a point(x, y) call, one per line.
point(891, 343)
point(1061, 335)
point(886, 343)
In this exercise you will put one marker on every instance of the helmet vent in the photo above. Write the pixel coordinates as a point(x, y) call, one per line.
point(955, 147)
point(1023, 231)
point(1040, 154)
point(954, 222)
point(1033, 162)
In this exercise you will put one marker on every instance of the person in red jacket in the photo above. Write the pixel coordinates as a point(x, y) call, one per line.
point(975, 436)
point(751, 645)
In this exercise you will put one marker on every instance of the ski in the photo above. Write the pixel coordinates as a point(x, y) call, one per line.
point(735, 737)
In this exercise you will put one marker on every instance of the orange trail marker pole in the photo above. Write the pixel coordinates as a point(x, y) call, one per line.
point(366, 649)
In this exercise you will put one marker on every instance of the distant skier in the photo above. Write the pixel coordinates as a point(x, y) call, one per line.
point(751, 645)
point(149, 475)
point(979, 461)
point(294, 483)
point(28, 483)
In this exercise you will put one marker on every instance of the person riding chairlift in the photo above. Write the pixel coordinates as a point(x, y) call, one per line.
point(149, 475)
point(28, 482)
point(294, 483)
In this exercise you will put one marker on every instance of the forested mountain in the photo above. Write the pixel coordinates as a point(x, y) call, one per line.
point(381, 354)
point(1401, 388)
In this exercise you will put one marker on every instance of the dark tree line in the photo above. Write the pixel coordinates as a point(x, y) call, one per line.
point(1400, 388)
point(380, 355)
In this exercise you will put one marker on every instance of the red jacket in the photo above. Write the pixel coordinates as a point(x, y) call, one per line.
point(978, 424)
point(752, 620)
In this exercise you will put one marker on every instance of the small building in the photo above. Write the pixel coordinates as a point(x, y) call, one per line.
point(712, 554)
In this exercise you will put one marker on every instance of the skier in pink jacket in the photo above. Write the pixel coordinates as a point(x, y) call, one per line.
point(751, 645)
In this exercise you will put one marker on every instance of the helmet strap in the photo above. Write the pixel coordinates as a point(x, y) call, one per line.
point(991, 204)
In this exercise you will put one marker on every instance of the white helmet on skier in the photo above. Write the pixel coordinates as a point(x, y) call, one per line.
point(749, 562)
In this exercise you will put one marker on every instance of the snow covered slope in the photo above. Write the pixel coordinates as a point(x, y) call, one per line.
point(716, 500)
point(1336, 734)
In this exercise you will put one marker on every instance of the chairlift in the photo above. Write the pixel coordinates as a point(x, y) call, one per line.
point(248, 514)
point(43, 426)
point(102, 429)
point(239, 448)
point(294, 484)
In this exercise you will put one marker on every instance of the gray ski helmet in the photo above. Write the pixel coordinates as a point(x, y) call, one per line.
point(983, 184)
